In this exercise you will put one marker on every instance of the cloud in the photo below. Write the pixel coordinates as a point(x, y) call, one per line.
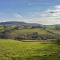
point(57, 6)
point(49, 16)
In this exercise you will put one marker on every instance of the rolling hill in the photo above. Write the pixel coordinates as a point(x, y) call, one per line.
point(15, 23)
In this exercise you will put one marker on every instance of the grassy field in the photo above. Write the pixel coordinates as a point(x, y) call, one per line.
point(55, 31)
point(24, 31)
point(26, 50)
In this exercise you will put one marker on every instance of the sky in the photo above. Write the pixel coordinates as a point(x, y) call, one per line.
point(45, 12)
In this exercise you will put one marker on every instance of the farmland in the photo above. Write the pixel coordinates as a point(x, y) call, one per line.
point(29, 43)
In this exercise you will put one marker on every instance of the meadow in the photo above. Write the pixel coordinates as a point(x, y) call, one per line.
point(29, 44)
point(28, 50)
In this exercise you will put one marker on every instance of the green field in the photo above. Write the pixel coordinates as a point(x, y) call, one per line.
point(28, 31)
point(28, 50)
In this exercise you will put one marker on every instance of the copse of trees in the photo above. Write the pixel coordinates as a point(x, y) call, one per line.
point(32, 36)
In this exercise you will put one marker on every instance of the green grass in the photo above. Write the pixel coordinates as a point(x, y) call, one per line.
point(56, 31)
point(29, 31)
point(18, 50)
point(41, 31)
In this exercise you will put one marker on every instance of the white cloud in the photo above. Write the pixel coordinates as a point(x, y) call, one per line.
point(49, 16)
point(57, 6)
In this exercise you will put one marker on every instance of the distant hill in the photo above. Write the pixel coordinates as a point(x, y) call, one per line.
point(22, 30)
point(55, 26)
point(11, 23)
point(15, 23)
point(33, 25)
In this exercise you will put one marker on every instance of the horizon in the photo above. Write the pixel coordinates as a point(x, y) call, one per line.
point(28, 22)
point(46, 12)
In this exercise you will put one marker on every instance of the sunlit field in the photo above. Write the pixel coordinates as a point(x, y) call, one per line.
point(28, 50)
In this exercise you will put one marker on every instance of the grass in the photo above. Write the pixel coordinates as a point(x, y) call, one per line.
point(18, 50)
point(23, 31)
point(56, 31)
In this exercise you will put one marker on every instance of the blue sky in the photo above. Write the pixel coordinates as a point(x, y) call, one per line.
point(30, 11)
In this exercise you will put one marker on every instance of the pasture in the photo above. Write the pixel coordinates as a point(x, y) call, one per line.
point(26, 50)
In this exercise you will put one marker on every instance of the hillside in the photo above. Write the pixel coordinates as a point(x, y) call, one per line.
point(29, 41)
point(32, 31)
point(20, 30)
point(20, 24)
point(35, 25)
point(55, 26)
